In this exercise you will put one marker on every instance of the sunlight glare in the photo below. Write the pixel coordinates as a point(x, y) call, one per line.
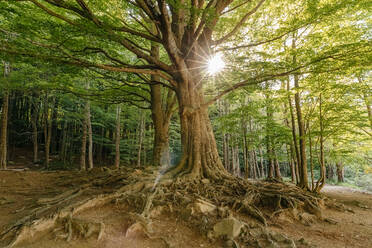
point(215, 64)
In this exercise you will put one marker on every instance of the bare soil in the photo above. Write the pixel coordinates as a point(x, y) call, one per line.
point(20, 191)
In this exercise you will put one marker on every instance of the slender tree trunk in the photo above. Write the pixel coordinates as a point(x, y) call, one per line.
point(262, 166)
point(340, 172)
point(100, 147)
point(235, 160)
point(161, 117)
point(4, 131)
point(54, 122)
point(4, 120)
point(269, 142)
point(245, 150)
point(291, 162)
point(253, 164)
point(226, 150)
point(90, 135)
point(256, 164)
point(140, 138)
point(311, 159)
point(47, 128)
point(117, 137)
point(294, 137)
point(367, 101)
point(277, 166)
point(270, 173)
point(83, 144)
point(321, 182)
point(62, 151)
point(330, 172)
point(304, 183)
point(34, 118)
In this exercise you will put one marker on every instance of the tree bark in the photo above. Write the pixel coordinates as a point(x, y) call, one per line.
point(4, 130)
point(262, 166)
point(367, 101)
point(161, 116)
point(83, 144)
point(48, 122)
point(340, 172)
point(34, 118)
point(277, 166)
point(117, 137)
point(311, 158)
point(269, 141)
point(140, 138)
point(4, 121)
point(291, 162)
point(304, 183)
point(321, 182)
point(199, 149)
point(245, 150)
point(63, 146)
point(90, 135)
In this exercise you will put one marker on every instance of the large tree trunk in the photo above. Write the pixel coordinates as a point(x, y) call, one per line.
point(117, 137)
point(200, 156)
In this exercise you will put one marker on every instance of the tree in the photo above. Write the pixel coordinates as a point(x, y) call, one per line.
point(4, 120)
point(117, 137)
point(188, 34)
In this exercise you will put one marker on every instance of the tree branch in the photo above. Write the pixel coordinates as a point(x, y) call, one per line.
point(238, 26)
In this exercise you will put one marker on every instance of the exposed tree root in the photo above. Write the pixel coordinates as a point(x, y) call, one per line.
point(139, 189)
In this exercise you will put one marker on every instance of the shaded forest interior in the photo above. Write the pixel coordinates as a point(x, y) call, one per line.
point(230, 121)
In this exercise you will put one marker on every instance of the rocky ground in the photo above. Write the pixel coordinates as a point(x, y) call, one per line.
point(104, 208)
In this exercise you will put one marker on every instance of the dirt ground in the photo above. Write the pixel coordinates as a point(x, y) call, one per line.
point(21, 190)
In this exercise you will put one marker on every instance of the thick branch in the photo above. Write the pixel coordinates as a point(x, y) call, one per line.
point(238, 26)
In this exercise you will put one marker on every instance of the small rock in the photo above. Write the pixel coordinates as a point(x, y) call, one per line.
point(230, 227)
point(202, 206)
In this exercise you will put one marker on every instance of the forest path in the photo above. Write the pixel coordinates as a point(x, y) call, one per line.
point(353, 227)
point(21, 190)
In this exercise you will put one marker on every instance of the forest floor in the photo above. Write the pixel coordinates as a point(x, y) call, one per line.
point(23, 192)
